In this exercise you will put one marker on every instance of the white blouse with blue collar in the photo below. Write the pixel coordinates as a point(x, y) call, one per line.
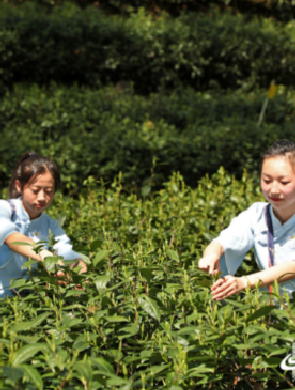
point(37, 229)
point(249, 230)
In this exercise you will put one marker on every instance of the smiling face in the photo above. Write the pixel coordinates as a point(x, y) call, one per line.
point(37, 194)
point(278, 186)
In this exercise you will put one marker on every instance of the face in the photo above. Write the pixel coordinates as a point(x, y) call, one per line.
point(278, 186)
point(37, 195)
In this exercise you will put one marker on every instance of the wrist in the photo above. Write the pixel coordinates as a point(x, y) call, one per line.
point(45, 253)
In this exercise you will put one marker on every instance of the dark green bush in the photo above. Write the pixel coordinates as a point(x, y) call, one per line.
point(200, 50)
point(103, 132)
point(280, 10)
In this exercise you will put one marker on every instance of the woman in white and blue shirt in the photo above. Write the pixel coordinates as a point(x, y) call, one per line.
point(250, 230)
point(31, 191)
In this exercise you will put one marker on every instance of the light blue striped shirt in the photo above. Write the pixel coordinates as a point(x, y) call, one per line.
point(249, 230)
point(37, 229)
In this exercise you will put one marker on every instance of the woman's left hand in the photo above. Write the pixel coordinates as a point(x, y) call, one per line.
point(227, 286)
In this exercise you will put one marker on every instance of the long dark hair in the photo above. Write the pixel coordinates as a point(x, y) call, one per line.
point(29, 166)
point(283, 148)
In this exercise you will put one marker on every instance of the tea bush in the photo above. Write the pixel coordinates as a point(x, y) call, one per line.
point(200, 50)
point(281, 10)
point(103, 132)
point(146, 318)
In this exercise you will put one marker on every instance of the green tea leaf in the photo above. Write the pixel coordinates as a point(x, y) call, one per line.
point(145, 190)
point(21, 243)
point(28, 263)
point(128, 331)
point(263, 311)
point(84, 370)
point(34, 376)
point(101, 282)
point(102, 254)
point(26, 352)
point(80, 345)
point(13, 373)
point(104, 366)
point(150, 306)
point(116, 318)
point(173, 255)
point(71, 322)
point(17, 283)
point(147, 273)
point(30, 324)
point(50, 262)
point(116, 381)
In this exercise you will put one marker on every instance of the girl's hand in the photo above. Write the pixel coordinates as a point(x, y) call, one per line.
point(210, 264)
point(227, 286)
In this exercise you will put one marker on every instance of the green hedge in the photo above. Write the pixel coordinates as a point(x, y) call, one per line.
point(280, 10)
point(103, 132)
point(195, 49)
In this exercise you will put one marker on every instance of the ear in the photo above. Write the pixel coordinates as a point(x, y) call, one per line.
point(18, 186)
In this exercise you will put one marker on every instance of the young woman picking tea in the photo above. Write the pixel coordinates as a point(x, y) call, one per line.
point(31, 191)
point(268, 227)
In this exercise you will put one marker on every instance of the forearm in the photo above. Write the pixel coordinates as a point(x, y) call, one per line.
point(214, 249)
point(28, 252)
point(25, 250)
point(268, 276)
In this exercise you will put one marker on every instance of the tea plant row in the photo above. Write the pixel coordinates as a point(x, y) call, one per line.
point(145, 318)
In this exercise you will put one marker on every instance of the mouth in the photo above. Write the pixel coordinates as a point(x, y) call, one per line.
point(40, 206)
point(276, 199)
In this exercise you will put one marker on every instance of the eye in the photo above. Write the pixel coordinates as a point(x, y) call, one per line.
point(49, 192)
point(35, 192)
point(285, 182)
point(266, 181)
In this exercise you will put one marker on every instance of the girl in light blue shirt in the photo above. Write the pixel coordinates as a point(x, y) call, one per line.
point(250, 230)
point(31, 191)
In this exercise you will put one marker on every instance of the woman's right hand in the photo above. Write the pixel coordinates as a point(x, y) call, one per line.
point(210, 264)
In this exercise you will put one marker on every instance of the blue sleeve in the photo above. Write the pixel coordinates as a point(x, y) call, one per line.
point(63, 247)
point(7, 227)
point(238, 239)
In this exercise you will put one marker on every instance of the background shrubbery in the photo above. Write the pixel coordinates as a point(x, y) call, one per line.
point(200, 50)
point(103, 132)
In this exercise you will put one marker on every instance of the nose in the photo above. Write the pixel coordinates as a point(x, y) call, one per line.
point(41, 195)
point(275, 188)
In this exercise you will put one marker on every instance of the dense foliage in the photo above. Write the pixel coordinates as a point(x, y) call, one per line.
point(103, 132)
point(200, 50)
point(278, 9)
point(145, 320)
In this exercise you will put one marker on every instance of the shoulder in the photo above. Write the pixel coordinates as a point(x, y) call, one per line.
point(257, 209)
point(252, 215)
point(5, 209)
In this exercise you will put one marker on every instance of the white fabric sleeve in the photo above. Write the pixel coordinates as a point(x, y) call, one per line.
point(63, 247)
point(237, 239)
point(7, 226)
